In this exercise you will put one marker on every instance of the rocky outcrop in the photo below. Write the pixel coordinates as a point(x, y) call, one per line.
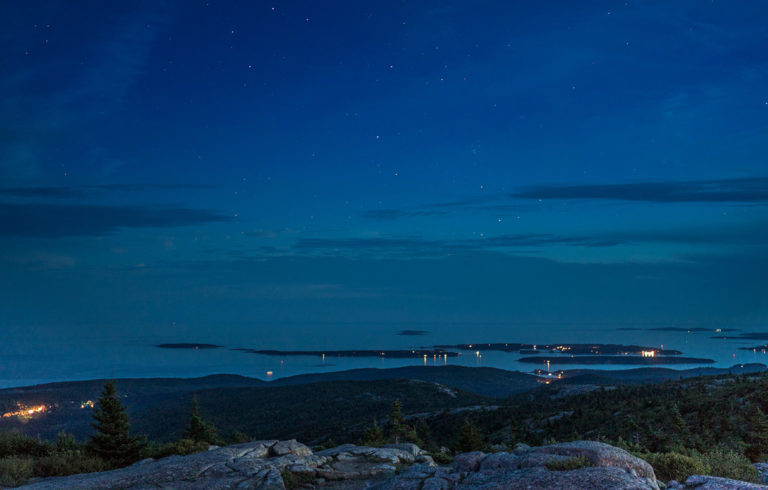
point(762, 472)
point(701, 482)
point(276, 465)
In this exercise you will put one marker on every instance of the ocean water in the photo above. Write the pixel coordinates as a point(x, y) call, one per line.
point(27, 360)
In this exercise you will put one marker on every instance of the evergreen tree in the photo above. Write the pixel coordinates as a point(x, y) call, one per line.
point(758, 433)
point(677, 423)
point(423, 433)
point(237, 437)
point(470, 438)
point(396, 423)
point(198, 429)
point(374, 435)
point(113, 441)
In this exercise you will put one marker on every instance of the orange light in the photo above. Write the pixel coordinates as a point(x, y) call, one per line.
point(25, 412)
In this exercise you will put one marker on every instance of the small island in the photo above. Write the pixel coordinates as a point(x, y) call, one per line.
point(653, 360)
point(564, 348)
point(394, 354)
point(188, 346)
point(744, 336)
point(691, 330)
point(763, 348)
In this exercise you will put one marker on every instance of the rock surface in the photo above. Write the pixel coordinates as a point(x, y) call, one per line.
point(275, 465)
point(701, 482)
point(762, 472)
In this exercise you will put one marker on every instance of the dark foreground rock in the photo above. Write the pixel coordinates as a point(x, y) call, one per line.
point(701, 482)
point(276, 465)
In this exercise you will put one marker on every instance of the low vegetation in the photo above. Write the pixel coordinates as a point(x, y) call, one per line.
point(708, 425)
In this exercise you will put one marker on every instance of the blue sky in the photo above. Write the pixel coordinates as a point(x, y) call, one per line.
point(219, 164)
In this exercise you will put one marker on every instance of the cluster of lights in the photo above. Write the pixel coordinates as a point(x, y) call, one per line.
point(648, 353)
point(87, 404)
point(25, 411)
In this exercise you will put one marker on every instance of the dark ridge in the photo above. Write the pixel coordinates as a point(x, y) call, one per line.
point(645, 375)
point(413, 332)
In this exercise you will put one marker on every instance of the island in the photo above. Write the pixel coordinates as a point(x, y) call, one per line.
point(393, 354)
point(188, 346)
point(756, 348)
point(653, 360)
point(744, 336)
point(691, 330)
point(565, 348)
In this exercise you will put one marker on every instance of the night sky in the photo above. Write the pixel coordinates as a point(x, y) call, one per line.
point(200, 170)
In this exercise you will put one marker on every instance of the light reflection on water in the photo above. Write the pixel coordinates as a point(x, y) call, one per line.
point(28, 361)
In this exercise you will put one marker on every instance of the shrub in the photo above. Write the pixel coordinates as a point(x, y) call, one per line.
point(14, 444)
point(675, 466)
point(568, 464)
point(441, 458)
point(67, 464)
point(727, 463)
point(14, 471)
point(237, 437)
point(470, 438)
point(182, 447)
point(198, 429)
point(293, 481)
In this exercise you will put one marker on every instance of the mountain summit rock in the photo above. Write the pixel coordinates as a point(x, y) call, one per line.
point(277, 465)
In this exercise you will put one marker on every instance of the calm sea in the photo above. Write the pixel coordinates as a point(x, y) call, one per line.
point(26, 360)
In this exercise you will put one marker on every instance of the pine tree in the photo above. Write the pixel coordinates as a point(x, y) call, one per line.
point(677, 422)
point(470, 438)
point(198, 429)
point(423, 433)
point(396, 423)
point(374, 435)
point(113, 441)
point(758, 434)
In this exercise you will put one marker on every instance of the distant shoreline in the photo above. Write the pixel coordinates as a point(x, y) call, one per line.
point(394, 354)
point(652, 361)
point(188, 346)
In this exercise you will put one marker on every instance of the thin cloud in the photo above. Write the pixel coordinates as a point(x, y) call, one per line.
point(43, 192)
point(723, 190)
point(748, 191)
point(54, 220)
point(84, 191)
point(750, 234)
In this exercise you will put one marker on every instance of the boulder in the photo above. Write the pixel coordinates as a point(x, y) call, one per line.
point(408, 447)
point(282, 448)
point(701, 482)
point(264, 465)
point(762, 472)
point(599, 454)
